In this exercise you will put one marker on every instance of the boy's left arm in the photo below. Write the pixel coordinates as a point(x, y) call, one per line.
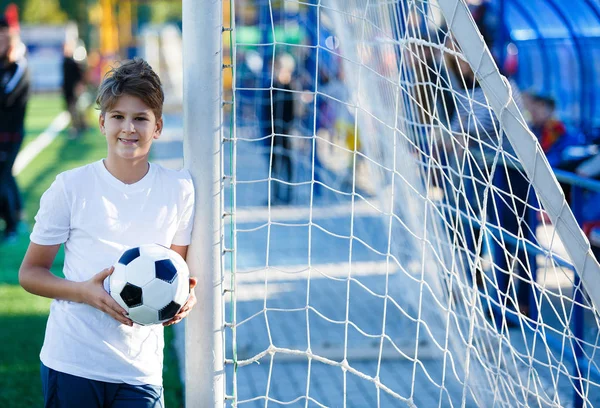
point(185, 310)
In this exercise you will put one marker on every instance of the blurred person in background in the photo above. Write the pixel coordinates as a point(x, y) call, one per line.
point(73, 87)
point(552, 134)
point(280, 115)
point(475, 130)
point(93, 75)
point(337, 124)
point(548, 128)
point(14, 94)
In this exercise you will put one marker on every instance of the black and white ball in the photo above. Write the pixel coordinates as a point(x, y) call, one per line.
point(151, 282)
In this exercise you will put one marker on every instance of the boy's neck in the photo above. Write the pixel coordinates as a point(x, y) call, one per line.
point(128, 172)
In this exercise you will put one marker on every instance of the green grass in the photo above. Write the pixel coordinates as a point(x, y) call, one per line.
point(41, 109)
point(22, 315)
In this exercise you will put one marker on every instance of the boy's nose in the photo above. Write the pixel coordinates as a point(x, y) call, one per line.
point(128, 127)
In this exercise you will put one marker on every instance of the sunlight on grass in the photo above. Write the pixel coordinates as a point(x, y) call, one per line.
point(15, 301)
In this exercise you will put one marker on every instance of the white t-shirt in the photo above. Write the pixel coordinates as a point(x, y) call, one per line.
point(97, 217)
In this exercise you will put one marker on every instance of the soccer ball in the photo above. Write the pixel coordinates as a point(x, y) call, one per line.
point(151, 282)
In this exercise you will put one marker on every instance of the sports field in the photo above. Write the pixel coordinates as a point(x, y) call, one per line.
point(23, 316)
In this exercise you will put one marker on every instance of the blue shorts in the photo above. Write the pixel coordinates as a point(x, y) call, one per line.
point(68, 391)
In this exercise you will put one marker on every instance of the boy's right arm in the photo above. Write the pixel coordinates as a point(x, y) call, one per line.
point(35, 277)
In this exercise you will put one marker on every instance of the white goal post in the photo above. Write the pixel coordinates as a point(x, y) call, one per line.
point(202, 121)
point(375, 223)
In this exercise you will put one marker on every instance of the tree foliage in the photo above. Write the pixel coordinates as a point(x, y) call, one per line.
point(75, 9)
point(42, 12)
point(165, 11)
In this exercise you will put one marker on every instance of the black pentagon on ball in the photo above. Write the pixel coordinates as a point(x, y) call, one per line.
point(165, 270)
point(131, 295)
point(169, 311)
point(129, 256)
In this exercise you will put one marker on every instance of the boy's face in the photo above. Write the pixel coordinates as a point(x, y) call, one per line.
point(540, 112)
point(130, 127)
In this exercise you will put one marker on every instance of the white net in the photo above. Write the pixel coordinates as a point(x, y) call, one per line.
point(397, 235)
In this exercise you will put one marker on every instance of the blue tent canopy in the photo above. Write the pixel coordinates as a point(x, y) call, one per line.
point(559, 54)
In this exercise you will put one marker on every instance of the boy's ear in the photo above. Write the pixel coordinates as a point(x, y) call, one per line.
point(159, 127)
point(101, 123)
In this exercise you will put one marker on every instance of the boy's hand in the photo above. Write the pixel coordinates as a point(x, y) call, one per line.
point(185, 310)
point(94, 294)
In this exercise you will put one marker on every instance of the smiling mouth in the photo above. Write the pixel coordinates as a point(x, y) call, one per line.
point(128, 141)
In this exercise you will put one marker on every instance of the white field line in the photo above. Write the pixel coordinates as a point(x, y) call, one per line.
point(35, 147)
point(333, 270)
point(292, 213)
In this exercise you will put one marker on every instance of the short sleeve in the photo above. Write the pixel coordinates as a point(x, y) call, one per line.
point(53, 219)
point(183, 236)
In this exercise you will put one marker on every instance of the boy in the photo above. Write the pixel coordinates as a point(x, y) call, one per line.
point(93, 355)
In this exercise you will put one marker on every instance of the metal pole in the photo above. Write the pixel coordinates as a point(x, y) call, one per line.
point(202, 121)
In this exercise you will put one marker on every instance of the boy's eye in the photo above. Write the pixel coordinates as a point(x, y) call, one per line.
point(141, 118)
point(118, 116)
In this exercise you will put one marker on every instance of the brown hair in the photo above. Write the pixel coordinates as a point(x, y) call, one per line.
point(135, 78)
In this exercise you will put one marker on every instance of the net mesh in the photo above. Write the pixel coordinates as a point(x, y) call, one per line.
point(389, 241)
